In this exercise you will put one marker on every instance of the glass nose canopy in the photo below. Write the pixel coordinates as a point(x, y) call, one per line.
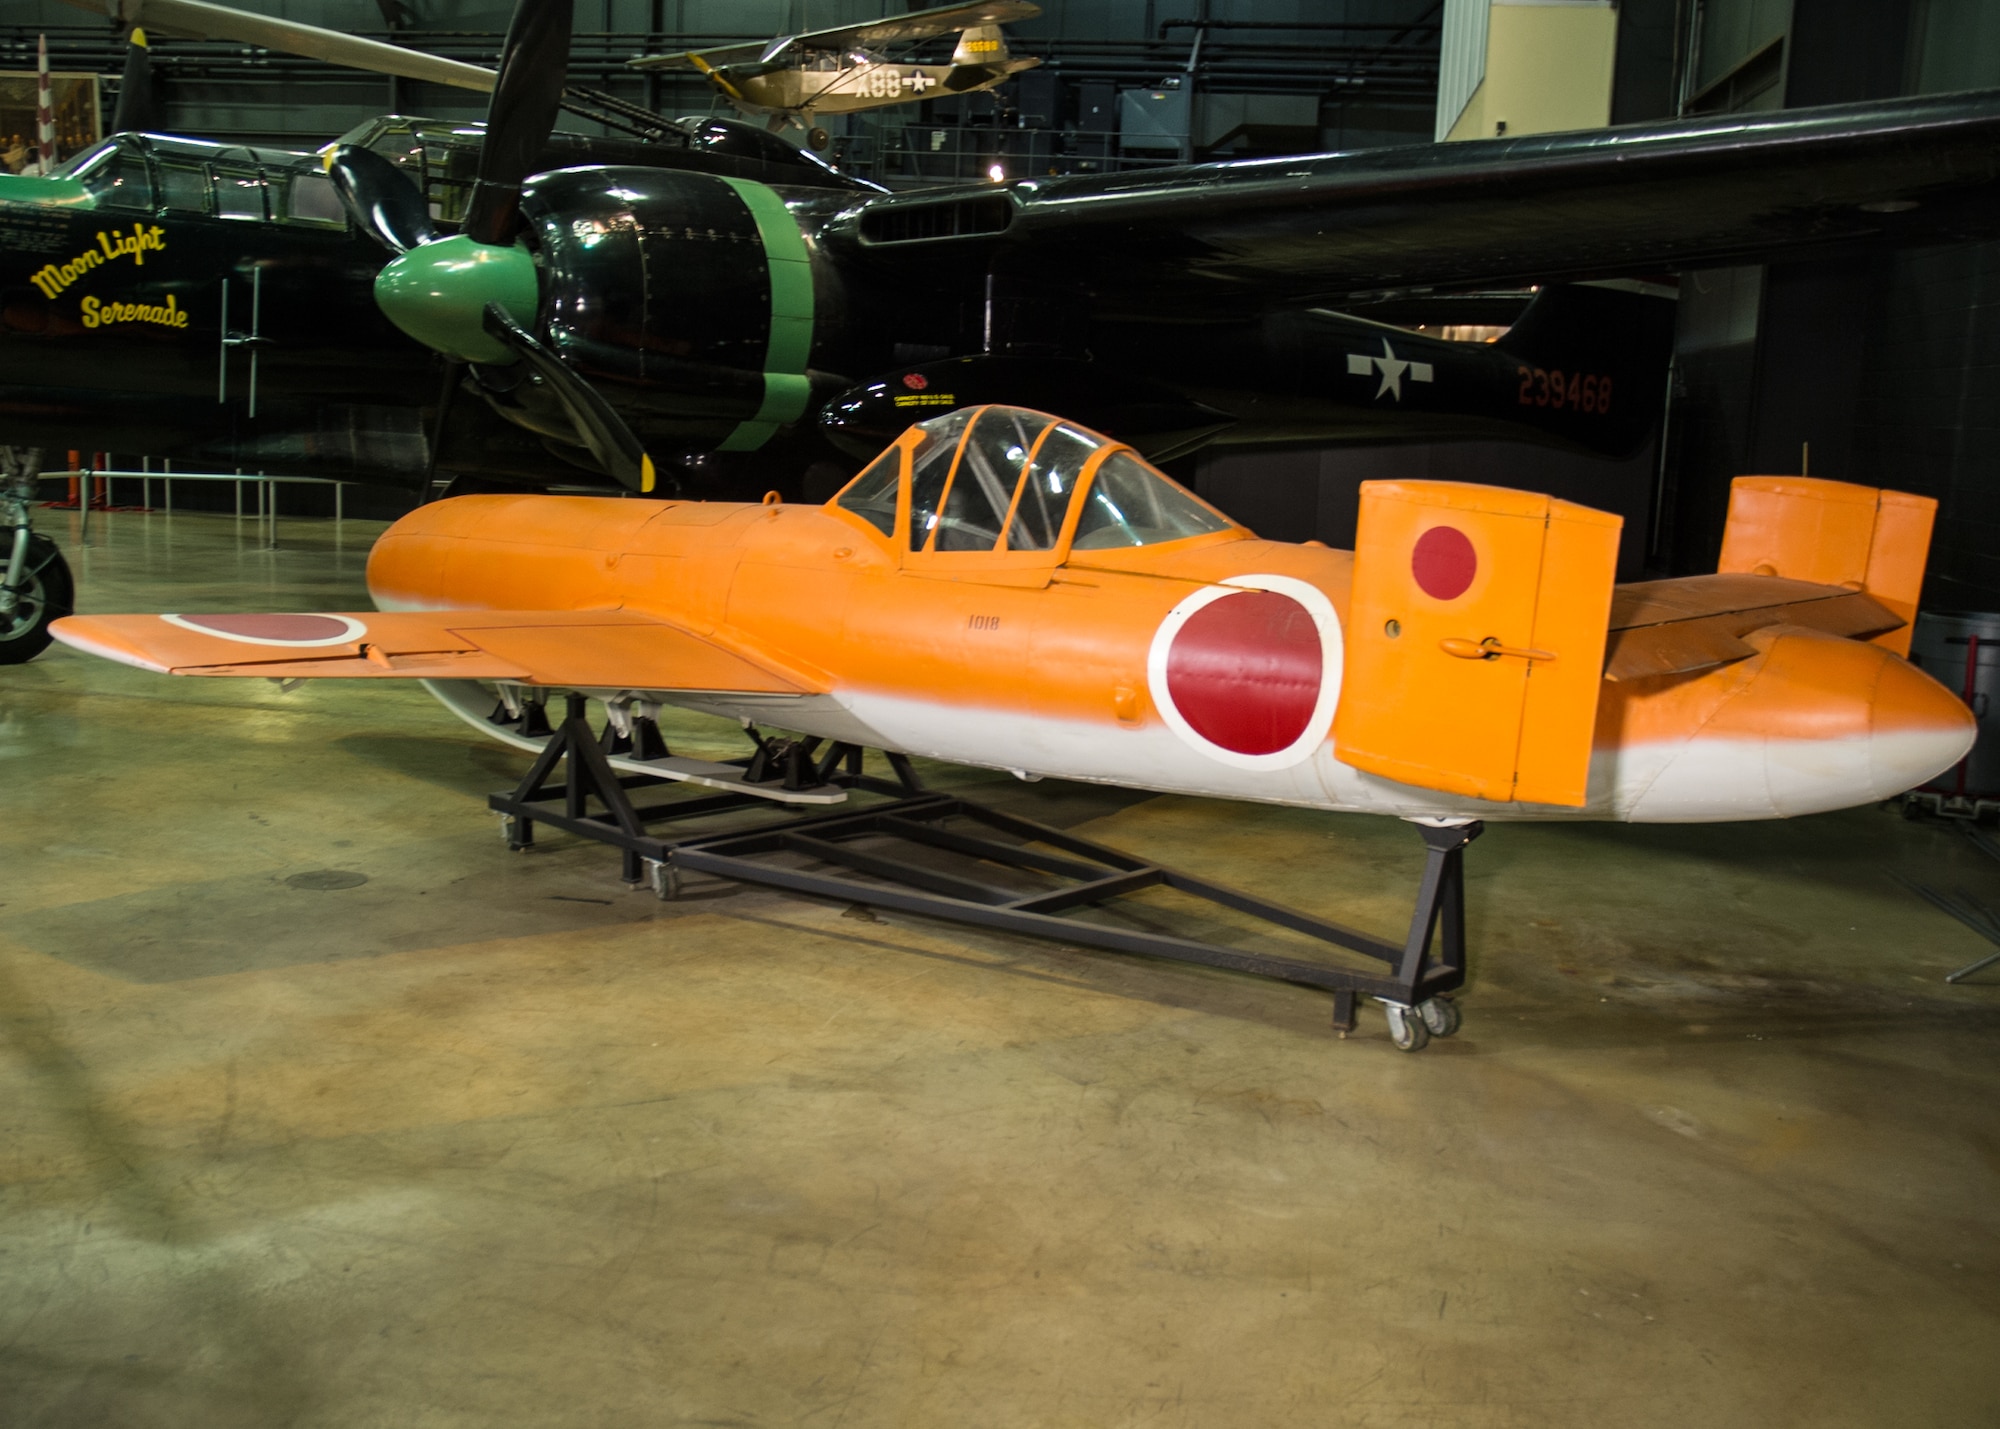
point(1004, 478)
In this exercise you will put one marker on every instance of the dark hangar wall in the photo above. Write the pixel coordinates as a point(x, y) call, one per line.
point(1888, 367)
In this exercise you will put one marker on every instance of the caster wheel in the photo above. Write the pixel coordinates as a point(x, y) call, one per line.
point(1406, 1027)
point(665, 879)
point(817, 138)
point(1440, 1015)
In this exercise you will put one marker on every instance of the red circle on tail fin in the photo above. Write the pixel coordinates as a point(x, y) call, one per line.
point(1444, 563)
point(1245, 671)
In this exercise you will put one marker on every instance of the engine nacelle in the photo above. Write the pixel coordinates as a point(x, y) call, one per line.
point(686, 299)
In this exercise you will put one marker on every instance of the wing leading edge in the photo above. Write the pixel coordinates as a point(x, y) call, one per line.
point(566, 648)
point(1540, 208)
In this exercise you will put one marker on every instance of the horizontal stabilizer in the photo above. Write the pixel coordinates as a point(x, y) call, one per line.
point(588, 649)
point(1676, 627)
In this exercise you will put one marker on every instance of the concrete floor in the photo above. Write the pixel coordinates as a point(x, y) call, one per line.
point(488, 1139)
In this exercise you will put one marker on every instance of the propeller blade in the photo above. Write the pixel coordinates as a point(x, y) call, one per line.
point(534, 68)
point(383, 201)
point(603, 431)
point(135, 109)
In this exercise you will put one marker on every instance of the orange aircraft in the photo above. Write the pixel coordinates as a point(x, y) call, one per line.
point(1006, 589)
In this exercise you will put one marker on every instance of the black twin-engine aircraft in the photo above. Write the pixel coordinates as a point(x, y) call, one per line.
point(713, 308)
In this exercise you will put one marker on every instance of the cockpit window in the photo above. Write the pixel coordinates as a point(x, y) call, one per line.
point(982, 490)
point(120, 182)
point(239, 193)
point(930, 467)
point(1052, 479)
point(978, 471)
point(312, 199)
point(1130, 504)
point(872, 495)
point(184, 187)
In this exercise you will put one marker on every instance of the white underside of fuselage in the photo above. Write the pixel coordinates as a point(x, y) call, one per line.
point(1700, 780)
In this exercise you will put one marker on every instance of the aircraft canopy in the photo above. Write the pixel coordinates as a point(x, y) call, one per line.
point(958, 481)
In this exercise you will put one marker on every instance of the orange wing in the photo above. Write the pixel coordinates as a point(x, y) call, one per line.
point(592, 649)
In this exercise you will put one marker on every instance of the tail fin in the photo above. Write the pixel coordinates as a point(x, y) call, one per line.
point(1475, 640)
point(1591, 364)
point(981, 45)
point(1833, 533)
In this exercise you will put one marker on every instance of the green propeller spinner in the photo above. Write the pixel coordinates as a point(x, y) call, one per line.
point(438, 292)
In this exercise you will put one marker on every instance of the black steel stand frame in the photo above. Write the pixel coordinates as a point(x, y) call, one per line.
point(1429, 962)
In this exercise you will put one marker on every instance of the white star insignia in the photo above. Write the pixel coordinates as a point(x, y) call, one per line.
point(919, 81)
point(1392, 368)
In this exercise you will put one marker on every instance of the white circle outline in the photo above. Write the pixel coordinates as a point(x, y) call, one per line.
point(354, 631)
point(1318, 729)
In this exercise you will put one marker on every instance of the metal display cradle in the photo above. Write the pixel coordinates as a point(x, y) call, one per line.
point(940, 855)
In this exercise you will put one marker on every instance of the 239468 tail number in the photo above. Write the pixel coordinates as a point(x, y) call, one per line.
point(1546, 387)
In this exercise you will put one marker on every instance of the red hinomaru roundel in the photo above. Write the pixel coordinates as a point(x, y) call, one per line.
point(1444, 563)
point(1248, 671)
point(277, 629)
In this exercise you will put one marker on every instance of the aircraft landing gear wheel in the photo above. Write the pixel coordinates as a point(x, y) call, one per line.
point(47, 593)
point(1440, 1015)
point(665, 879)
point(1406, 1027)
point(817, 138)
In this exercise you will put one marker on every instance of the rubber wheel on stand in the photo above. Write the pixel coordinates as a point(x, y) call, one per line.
point(1440, 1015)
point(1406, 1027)
point(47, 593)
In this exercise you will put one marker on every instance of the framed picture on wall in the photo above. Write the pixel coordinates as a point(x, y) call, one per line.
point(79, 122)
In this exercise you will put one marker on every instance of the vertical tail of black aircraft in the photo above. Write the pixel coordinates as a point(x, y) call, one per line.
point(1588, 364)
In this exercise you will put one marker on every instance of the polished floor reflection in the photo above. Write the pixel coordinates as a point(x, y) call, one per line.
point(318, 1107)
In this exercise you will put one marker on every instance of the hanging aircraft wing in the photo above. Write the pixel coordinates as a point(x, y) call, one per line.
point(199, 20)
point(1333, 228)
point(919, 25)
point(575, 649)
point(922, 24)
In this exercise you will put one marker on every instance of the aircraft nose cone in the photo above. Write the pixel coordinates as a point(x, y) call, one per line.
point(437, 293)
point(1917, 729)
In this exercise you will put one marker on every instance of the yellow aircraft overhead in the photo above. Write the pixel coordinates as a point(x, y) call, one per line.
point(792, 78)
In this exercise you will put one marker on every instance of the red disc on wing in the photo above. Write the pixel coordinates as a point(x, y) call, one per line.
point(1245, 671)
point(1444, 563)
point(278, 629)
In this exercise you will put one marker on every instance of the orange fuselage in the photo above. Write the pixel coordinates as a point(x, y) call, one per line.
point(1081, 665)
